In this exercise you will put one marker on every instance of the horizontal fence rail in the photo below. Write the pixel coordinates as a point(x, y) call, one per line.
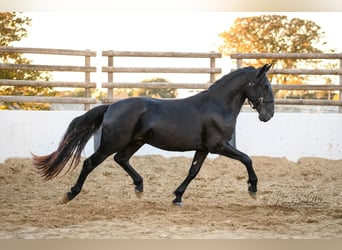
point(160, 70)
point(47, 67)
point(307, 102)
point(161, 54)
point(306, 71)
point(159, 85)
point(65, 52)
point(286, 56)
point(87, 85)
point(54, 84)
point(43, 99)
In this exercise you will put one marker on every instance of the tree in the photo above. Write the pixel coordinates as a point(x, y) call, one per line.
point(13, 27)
point(157, 93)
point(274, 34)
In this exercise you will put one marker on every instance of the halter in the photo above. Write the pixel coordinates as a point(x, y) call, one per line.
point(254, 103)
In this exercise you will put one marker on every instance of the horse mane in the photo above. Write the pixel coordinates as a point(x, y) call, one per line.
point(231, 75)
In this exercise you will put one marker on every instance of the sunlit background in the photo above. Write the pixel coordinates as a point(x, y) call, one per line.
point(149, 31)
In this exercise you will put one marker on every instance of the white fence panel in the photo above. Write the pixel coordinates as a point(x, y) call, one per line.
point(290, 135)
point(39, 132)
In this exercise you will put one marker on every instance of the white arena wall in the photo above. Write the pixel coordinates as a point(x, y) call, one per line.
point(290, 135)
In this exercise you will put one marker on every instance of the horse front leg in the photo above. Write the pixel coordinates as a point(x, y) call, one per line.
point(231, 152)
point(194, 169)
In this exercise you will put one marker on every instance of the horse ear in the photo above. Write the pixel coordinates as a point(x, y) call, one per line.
point(268, 66)
point(263, 70)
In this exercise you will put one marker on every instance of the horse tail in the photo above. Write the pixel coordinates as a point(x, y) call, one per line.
point(74, 140)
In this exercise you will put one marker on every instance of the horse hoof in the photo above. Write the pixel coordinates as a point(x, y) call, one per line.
point(139, 194)
point(177, 204)
point(65, 199)
point(253, 195)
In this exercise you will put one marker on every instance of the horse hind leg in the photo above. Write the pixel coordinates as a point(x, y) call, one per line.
point(194, 169)
point(123, 157)
point(88, 166)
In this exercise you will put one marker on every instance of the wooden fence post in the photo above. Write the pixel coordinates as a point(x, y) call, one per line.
point(212, 66)
point(87, 93)
point(239, 63)
point(110, 92)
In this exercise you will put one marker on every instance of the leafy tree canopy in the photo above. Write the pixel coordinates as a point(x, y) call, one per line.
point(272, 34)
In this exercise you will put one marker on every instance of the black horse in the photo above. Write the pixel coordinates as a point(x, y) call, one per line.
point(204, 123)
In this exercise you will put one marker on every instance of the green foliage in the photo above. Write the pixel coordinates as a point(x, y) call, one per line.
point(13, 27)
point(156, 93)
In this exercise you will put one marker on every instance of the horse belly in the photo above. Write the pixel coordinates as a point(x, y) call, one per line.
point(174, 138)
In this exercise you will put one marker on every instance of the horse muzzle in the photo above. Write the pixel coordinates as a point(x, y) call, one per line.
point(265, 117)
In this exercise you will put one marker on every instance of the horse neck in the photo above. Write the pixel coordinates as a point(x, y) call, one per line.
point(231, 91)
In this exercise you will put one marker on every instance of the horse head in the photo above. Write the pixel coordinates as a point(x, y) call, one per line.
point(259, 93)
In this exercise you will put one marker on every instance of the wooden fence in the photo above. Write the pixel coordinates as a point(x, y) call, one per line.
point(87, 69)
point(111, 69)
